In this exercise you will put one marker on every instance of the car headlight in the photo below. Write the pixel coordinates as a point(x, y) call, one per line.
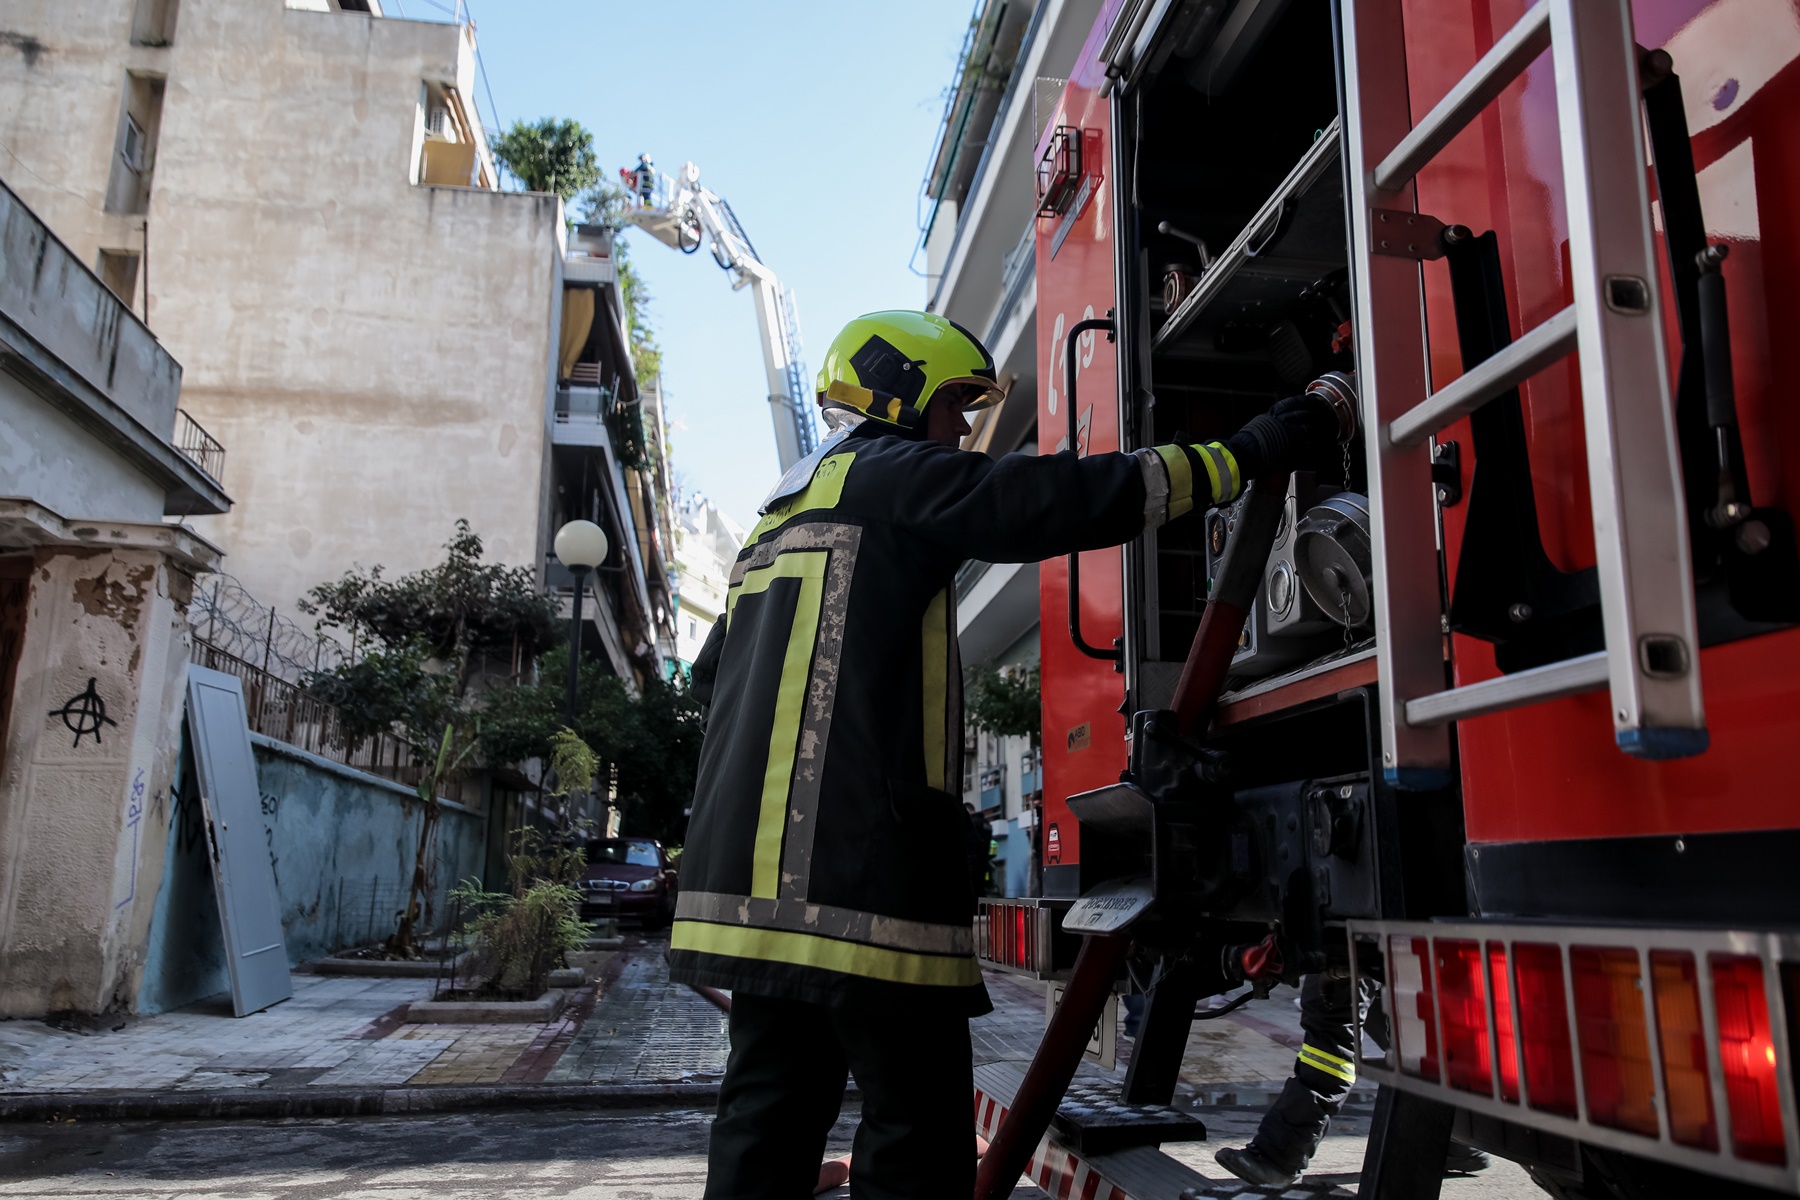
point(644, 885)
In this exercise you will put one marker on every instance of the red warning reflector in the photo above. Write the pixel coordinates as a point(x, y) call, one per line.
point(1462, 1011)
point(1681, 1036)
point(1415, 1024)
point(1747, 1052)
point(1508, 1046)
point(1615, 1038)
point(1544, 1028)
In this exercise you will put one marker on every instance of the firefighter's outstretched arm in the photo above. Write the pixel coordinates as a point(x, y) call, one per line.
point(1025, 507)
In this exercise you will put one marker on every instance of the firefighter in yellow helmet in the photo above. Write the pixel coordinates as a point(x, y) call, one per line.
point(825, 880)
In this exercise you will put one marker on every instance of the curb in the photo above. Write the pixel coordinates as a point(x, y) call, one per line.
point(253, 1104)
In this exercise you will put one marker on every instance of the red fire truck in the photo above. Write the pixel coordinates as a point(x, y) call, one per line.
point(1504, 717)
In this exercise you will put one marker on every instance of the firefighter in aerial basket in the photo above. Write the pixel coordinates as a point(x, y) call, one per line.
point(825, 879)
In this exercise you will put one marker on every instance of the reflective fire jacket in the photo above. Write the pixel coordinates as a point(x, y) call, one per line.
point(826, 854)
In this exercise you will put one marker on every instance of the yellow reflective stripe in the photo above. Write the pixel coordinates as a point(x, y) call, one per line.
point(790, 698)
point(824, 491)
point(1181, 480)
point(935, 643)
point(1326, 1061)
point(1221, 471)
point(807, 950)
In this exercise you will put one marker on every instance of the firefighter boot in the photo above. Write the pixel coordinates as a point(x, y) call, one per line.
point(1250, 1165)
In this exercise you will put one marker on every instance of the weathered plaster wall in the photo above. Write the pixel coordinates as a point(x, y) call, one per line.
point(47, 458)
point(85, 776)
point(56, 299)
point(375, 356)
point(341, 843)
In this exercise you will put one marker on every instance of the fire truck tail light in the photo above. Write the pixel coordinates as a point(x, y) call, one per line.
point(1008, 934)
point(1544, 1028)
point(1615, 1041)
point(1415, 1025)
point(1747, 1053)
point(1681, 1036)
point(1462, 1010)
point(1508, 1047)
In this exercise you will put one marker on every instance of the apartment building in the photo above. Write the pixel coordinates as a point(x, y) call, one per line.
point(95, 583)
point(980, 267)
point(706, 545)
point(299, 200)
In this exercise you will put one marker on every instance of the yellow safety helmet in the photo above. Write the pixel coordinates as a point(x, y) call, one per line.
point(888, 365)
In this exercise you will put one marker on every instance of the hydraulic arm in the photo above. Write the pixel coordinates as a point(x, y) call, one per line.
point(679, 212)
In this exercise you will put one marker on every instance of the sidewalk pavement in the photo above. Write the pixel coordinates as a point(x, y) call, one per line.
point(342, 1046)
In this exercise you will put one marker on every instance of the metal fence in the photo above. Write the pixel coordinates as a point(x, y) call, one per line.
point(286, 712)
point(224, 614)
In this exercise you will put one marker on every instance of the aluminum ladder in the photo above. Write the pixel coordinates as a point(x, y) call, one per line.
point(1650, 663)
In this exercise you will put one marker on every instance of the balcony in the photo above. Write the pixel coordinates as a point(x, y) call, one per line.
point(1017, 271)
point(589, 255)
point(581, 411)
point(198, 446)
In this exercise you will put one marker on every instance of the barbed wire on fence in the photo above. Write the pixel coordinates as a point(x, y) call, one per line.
point(226, 615)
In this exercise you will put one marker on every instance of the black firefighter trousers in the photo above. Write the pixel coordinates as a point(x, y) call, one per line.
point(784, 1083)
point(1324, 1070)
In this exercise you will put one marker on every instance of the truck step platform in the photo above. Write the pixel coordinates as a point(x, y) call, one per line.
point(1093, 1120)
point(1128, 1166)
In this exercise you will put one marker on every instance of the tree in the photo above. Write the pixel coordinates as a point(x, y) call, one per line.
point(550, 155)
point(1005, 703)
point(652, 741)
point(451, 614)
point(448, 760)
point(420, 638)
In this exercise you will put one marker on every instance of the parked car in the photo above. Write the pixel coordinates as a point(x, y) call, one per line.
point(628, 877)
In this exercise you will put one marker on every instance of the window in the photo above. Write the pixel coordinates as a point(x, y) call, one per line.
point(119, 271)
point(153, 22)
point(131, 145)
point(693, 628)
point(633, 854)
point(140, 119)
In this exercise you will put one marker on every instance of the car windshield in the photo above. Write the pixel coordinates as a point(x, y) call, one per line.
point(635, 854)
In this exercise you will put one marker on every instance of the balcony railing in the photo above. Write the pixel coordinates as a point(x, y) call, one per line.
point(198, 446)
point(1017, 271)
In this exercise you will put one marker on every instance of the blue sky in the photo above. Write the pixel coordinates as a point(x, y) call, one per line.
point(813, 119)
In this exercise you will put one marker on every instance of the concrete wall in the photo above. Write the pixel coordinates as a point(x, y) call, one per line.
point(375, 356)
point(83, 799)
point(55, 298)
point(46, 457)
point(341, 843)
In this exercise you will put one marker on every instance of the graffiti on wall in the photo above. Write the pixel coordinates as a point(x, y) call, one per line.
point(134, 819)
point(84, 714)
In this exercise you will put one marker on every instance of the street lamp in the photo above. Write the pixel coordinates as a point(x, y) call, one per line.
point(580, 546)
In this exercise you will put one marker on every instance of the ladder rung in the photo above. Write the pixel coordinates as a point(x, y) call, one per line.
point(1472, 93)
point(1551, 682)
point(1543, 345)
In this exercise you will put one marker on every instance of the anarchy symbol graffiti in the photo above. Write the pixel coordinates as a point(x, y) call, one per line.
point(85, 714)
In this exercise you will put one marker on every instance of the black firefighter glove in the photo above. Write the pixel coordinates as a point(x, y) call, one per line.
point(1278, 440)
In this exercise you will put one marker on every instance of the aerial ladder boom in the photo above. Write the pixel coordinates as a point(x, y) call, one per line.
point(679, 212)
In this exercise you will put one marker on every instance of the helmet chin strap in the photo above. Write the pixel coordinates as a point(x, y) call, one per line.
point(880, 405)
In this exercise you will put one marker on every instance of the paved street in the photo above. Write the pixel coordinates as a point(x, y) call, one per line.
point(351, 1032)
point(479, 1156)
point(638, 1028)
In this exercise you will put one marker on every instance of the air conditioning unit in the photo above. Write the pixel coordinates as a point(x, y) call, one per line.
point(437, 122)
